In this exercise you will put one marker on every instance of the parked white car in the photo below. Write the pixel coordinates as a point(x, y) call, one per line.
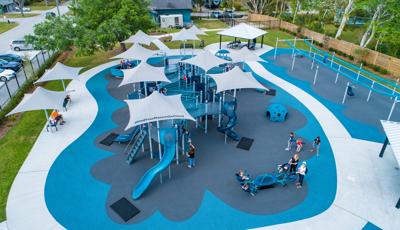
point(7, 73)
point(18, 45)
point(24, 9)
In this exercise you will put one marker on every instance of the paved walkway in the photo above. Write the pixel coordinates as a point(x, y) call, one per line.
point(26, 207)
point(366, 189)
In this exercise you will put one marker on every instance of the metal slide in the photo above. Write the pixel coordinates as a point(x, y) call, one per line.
point(168, 139)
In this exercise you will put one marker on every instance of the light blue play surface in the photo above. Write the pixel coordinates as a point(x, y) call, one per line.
point(77, 200)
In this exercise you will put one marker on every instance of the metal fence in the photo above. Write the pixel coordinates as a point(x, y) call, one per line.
point(32, 63)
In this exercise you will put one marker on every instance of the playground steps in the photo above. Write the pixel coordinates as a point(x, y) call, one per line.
point(136, 146)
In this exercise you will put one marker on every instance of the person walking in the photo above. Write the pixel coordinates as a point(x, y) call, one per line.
point(293, 163)
point(291, 141)
point(301, 171)
point(191, 155)
point(316, 144)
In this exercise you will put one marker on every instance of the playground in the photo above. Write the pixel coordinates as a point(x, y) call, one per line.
point(127, 166)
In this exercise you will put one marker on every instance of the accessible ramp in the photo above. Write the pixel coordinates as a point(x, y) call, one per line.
point(168, 139)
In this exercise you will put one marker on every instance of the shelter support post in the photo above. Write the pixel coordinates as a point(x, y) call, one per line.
point(345, 92)
point(262, 41)
point(294, 46)
point(159, 146)
point(150, 143)
point(313, 61)
point(176, 146)
point(384, 147)
point(220, 110)
point(337, 74)
point(145, 88)
point(294, 60)
point(220, 41)
point(63, 84)
point(312, 41)
point(47, 114)
point(395, 101)
point(359, 71)
point(206, 117)
point(370, 91)
point(276, 47)
point(333, 57)
point(394, 88)
point(316, 75)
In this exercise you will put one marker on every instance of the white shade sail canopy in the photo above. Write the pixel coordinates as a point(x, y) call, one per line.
point(141, 38)
point(184, 35)
point(205, 60)
point(392, 131)
point(244, 31)
point(144, 73)
point(40, 99)
point(60, 72)
point(236, 79)
point(137, 52)
point(195, 30)
point(243, 55)
point(156, 107)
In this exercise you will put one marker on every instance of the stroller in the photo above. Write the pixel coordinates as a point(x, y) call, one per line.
point(282, 172)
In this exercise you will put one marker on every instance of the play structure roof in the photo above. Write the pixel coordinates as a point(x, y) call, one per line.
point(184, 35)
point(236, 79)
point(156, 107)
point(243, 55)
point(40, 99)
point(392, 131)
point(137, 52)
point(244, 31)
point(141, 38)
point(143, 73)
point(205, 60)
point(60, 72)
point(195, 30)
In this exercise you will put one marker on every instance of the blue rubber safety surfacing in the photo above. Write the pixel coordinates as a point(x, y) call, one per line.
point(76, 199)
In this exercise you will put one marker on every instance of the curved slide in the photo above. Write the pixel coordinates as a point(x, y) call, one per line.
point(228, 129)
point(168, 138)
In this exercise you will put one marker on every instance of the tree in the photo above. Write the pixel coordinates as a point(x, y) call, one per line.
point(102, 23)
point(21, 4)
point(346, 15)
point(383, 13)
point(55, 33)
point(199, 3)
point(257, 6)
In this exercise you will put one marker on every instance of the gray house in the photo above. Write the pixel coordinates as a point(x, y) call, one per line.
point(7, 6)
point(168, 7)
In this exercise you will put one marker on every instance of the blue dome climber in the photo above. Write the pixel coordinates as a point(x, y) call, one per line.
point(277, 112)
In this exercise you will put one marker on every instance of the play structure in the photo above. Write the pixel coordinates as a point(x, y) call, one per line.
point(116, 71)
point(281, 176)
point(277, 112)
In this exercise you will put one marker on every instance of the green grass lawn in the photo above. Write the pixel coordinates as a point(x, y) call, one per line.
point(42, 5)
point(210, 24)
point(4, 26)
point(18, 15)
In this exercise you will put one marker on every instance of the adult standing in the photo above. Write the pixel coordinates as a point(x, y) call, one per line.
point(191, 155)
point(302, 171)
point(293, 163)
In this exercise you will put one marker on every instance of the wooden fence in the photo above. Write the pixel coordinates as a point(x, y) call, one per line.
point(384, 61)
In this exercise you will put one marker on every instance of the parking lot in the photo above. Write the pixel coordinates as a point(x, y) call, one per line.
point(32, 62)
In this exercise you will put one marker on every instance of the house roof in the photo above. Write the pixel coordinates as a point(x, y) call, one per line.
point(171, 4)
point(6, 2)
